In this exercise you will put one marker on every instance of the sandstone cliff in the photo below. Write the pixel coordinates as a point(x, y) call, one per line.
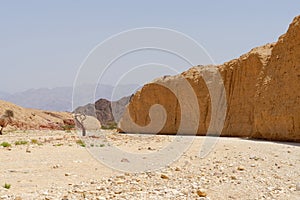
point(262, 95)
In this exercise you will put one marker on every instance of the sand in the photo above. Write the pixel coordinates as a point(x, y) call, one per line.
point(52, 165)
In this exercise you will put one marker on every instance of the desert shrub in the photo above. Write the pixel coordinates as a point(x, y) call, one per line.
point(68, 127)
point(80, 143)
point(7, 186)
point(21, 142)
point(5, 144)
point(109, 125)
point(34, 141)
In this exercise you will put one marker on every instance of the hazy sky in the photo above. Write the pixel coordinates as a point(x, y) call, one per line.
point(43, 43)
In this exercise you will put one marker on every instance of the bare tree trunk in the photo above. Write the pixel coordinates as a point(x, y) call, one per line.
point(80, 123)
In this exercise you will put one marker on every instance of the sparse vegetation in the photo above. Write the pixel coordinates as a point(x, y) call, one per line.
point(34, 141)
point(21, 142)
point(58, 145)
point(109, 126)
point(68, 128)
point(5, 144)
point(7, 186)
point(102, 145)
point(80, 143)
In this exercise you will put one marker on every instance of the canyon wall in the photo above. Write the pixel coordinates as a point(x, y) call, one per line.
point(262, 90)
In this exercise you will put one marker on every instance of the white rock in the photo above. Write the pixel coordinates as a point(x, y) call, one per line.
point(298, 187)
point(4, 197)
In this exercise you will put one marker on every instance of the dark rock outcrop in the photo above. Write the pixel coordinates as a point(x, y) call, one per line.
point(105, 111)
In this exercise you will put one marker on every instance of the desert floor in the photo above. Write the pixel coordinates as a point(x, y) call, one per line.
point(54, 165)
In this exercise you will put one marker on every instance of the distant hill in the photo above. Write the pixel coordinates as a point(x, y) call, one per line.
point(3, 94)
point(60, 98)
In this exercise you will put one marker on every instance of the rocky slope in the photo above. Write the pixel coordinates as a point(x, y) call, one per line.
point(262, 95)
point(25, 118)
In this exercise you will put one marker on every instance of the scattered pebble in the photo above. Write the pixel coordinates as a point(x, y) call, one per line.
point(196, 177)
point(125, 160)
point(201, 193)
point(56, 166)
point(241, 168)
point(164, 176)
point(118, 192)
point(177, 169)
point(28, 150)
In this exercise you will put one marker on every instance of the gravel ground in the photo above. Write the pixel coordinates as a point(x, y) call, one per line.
point(54, 165)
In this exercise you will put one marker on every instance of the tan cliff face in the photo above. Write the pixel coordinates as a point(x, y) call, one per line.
point(262, 92)
point(277, 113)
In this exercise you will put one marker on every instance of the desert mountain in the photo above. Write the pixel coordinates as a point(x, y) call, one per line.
point(60, 98)
point(3, 94)
point(262, 90)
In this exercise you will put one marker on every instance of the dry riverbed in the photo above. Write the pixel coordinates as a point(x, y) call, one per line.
point(55, 165)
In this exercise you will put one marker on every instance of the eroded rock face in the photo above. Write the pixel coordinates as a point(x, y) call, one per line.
point(277, 111)
point(262, 94)
point(107, 112)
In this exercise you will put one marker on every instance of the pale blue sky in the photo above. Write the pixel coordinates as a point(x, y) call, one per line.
point(42, 43)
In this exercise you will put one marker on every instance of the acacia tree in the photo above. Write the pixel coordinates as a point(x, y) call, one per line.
point(6, 119)
point(79, 118)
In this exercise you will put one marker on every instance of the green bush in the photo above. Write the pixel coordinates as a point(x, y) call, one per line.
point(109, 126)
point(5, 144)
point(7, 186)
point(80, 143)
point(68, 127)
point(21, 142)
point(35, 141)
